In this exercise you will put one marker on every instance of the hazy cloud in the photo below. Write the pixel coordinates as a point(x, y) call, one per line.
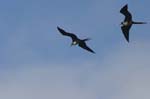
point(126, 75)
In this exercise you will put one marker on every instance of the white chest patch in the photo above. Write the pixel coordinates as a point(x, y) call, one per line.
point(125, 23)
point(74, 43)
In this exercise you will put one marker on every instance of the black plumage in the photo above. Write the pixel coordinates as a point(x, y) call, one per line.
point(76, 40)
point(126, 13)
point(128, 22)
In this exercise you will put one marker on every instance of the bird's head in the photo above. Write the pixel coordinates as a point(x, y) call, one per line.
point(121, 23)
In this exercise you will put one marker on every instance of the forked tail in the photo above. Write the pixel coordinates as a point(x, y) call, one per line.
point(87, 39)
point(139, 22)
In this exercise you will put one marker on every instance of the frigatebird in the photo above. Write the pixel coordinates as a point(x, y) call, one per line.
point(76, 40)
point(127, 23)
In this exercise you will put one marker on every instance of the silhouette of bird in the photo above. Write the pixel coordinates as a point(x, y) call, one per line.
point(76, 40)
point(128, 22)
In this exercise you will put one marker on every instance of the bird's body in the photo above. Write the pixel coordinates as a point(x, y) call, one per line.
point(128, 22)
point(76, 40)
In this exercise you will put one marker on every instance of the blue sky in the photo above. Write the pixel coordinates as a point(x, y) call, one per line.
point(37, 62)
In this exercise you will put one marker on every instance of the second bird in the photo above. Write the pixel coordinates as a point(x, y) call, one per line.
point(127, 23)
point(76, 40)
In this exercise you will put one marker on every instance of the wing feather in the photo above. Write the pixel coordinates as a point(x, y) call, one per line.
point(84, 46)
point(63, 32)
point(126, 13)
point(125, 30)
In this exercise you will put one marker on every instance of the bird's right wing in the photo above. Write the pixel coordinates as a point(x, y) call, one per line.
point(125, 30)
point(126, 13)
point(84, 46)
point(63, 32)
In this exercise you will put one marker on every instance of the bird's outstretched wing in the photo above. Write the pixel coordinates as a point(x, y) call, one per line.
point(125, 30)
point(126, 13)
point(63, 32)
point(84, 46)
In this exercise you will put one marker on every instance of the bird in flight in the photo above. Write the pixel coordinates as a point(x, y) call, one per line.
point(76, 40)
point(127, 23)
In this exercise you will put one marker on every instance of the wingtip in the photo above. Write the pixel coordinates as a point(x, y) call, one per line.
point(94, 53)
point(126, 6)
point(58, 27)
point(128, 40)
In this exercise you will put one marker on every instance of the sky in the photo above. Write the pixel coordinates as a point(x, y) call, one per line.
point(37, 62)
